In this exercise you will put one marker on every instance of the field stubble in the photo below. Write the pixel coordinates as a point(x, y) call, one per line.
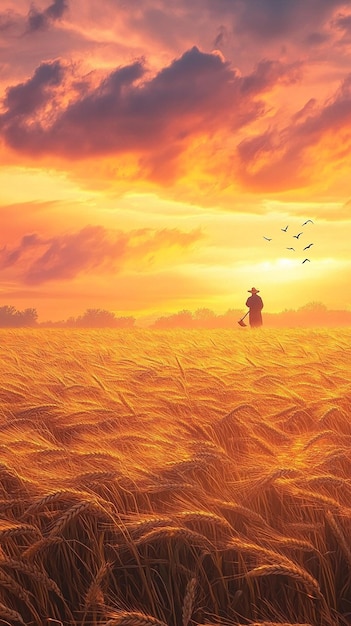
point(175, 478)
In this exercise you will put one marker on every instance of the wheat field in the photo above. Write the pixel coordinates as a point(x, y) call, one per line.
point(175, 478)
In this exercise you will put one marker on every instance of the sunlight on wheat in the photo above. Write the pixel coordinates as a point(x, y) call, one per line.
point(178, 478)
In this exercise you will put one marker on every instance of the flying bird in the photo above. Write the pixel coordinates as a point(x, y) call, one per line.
point(305, 260)
point(267, 238)
point(291, 249)
point(284, 229)
point(297, 236)
point(307, 222)
point(309, 245)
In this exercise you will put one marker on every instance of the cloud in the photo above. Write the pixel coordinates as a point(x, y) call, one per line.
point(255, 22)
point(40, 20)
point(30, 97)
point(7, 21)
point(285, 157)
point(38, 260)
point(273, 18)
point(129, 112)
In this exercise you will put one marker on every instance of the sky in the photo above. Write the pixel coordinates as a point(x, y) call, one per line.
point(152, 151)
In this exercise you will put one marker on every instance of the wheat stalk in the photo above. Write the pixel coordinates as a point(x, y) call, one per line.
point(326, 501)
point(270, 624)
point(16, 589)
point(174, 532)
point(64, 496)
point(33, 571)
point(73, 512)
point(262, 483)
point(94, 594)
point(317, 437)
point(328, 480)
point(134, 619)
point(20, 529)
point(201, 517)
point(188, 603)
point(144, 526)
point(39, 546)
point(259, 551)
point(292, 571)
point(9, 614)
point(338, 533)
point(295, 544)
point(242, 510)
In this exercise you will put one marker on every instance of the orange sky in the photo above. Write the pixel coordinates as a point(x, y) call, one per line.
point(147, 148)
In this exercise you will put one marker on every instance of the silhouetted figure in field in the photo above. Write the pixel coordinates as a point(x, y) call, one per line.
point(255, 304)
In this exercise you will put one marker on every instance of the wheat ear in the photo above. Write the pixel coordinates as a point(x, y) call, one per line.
point(94, 595)
point(339, 535)
point(173, 532)
point(39, 546)
point(292, 571)
point(33, 571)
point(10, 614)
point(16, 589)
point(188, 604)
point(20, 529)
point(134, 619)
point(73, 512)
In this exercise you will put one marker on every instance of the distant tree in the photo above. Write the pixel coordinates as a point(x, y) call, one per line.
point(96, 318)
point(313, 307)
point(182, 319)
point(204, 318)
point(28, 317)
point(100, 318)
point(11, 318)
point(125, 322)
point(7, 316)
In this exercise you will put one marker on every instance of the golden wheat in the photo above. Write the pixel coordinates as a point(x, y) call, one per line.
point(15, 588)
point(27, 568)
point(173, 533)
point(140, 462)
point(94, 595)
point(36, 549)
point(134, 619)
point(9, 614)
point(73, 512)
point(188, 604)
point(291, 571)
point(18, 529)
point(339, 535)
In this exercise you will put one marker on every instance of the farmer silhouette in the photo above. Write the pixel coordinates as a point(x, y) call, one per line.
point(255, 304)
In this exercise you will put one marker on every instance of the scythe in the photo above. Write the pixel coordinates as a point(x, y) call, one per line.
point(240, 322)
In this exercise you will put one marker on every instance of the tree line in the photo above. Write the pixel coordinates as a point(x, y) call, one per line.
point(310, 315)
point(10, 317)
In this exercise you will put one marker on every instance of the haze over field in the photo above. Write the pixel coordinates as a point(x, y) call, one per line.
point(148, 147)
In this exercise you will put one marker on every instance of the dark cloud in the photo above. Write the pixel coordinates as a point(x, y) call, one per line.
point(281, 158)
point(7, 21)
point(39, 20)
point(38, 260)
point(270, 19)
point(197, 93)
point(29, 97)
point(270, 73)
point(316, 39)
point(343, 22)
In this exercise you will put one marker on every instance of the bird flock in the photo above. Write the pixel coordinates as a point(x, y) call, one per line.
point(297, 236)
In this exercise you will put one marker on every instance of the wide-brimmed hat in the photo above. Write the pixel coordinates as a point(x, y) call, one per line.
point(253, 290)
